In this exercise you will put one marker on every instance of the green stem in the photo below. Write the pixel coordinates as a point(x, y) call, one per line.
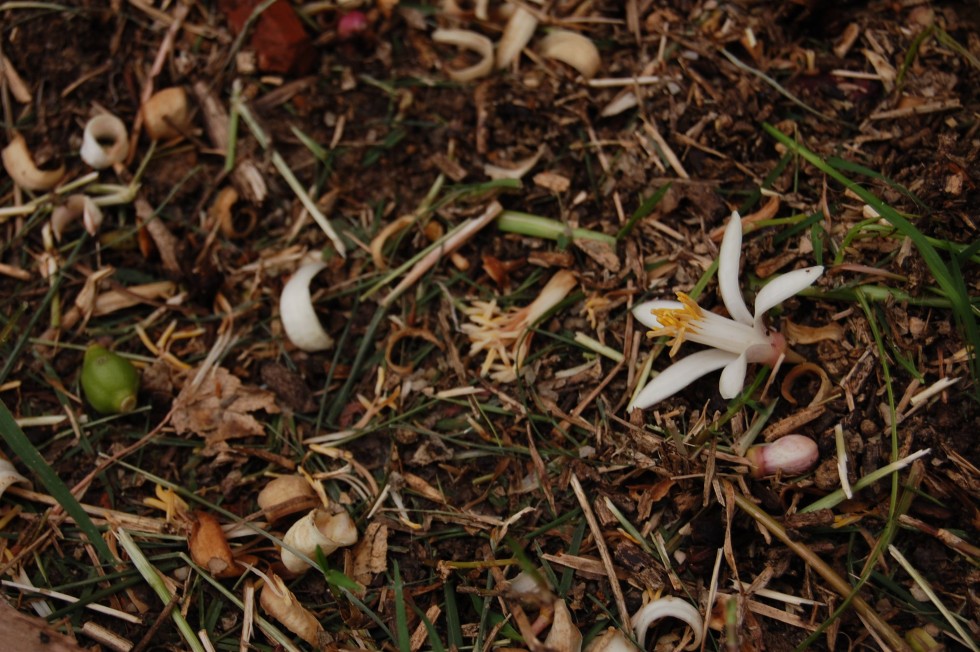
point(542, 227)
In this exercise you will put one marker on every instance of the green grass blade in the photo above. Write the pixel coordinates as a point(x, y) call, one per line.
point(837, 496)
point(149, 573)
point(430, 629)
point(454, 626)
point(39, 310)
point(856, 168)
point(266, 626)
point(644, 209)
point(951, 284)
point(24, 450)
point(401, 613)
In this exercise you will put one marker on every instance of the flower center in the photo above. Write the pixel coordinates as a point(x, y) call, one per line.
point(677, 322)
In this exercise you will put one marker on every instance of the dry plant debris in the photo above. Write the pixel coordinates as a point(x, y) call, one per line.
point(474, 199)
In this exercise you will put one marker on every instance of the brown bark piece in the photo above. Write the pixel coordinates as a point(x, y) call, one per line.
point(280, 42)
point(24, 632)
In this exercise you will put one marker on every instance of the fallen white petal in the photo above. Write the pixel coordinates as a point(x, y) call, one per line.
point(668, 607)
point(619, 104)
point(574, 49)
point(515, 170)
point(564, 635)
point(553, 293)
point(611, 640)
point(471, 41)
point(520, 28)
point(19, 163)
point(104, 142)
point(728, 259)
point(299, 319)
point(9, 475)
point(76, 206)
point(783, 287)
point(681, 374)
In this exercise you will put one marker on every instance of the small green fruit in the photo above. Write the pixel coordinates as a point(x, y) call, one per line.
point(110, 382)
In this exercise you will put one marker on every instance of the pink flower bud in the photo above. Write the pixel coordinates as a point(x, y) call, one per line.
point(351, 24)
point(789, 455)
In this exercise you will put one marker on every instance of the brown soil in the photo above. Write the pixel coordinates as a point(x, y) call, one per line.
point(480, 484)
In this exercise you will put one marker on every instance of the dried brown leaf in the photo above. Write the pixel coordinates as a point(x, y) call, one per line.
point(220, 408)
point(370, 554)
point(209, 547)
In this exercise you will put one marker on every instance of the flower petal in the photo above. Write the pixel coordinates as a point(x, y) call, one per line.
point(783, 287)
point(733, 377)
point(728, 258)
point(644, 311)
point(681, 374)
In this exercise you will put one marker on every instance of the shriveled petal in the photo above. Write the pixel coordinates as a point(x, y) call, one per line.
point(733, 377)
point(783, 287)
point(728, 258)
point(681, 374)
point(644, 311)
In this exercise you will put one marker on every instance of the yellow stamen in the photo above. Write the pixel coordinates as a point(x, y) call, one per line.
point(169, 501)
point(677, 322)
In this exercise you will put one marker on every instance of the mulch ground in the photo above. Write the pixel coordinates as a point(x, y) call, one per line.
point(461, 472)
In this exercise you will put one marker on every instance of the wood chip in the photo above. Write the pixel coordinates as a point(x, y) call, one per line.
point(917, 106)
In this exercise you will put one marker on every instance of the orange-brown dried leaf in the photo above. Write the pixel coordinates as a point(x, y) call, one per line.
point(221, 407)
point(209, 547)
point(800, 334)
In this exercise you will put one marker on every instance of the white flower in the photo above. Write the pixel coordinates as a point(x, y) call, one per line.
point(734, 342)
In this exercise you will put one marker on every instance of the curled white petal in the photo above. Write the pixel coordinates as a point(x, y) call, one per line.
point(733, 377)
point(783, 287)
point(318, 529)
point(19, 163)
point(622, 102)
point(643, 312)
point(9, 475)
point(76, 206)
point(520, 28)
point(530, 584)
point(728, 257)
point(299, 319)
point(611, 640)
point(564, 635)
point(516, 170)
point(478, 43)
point(681, 374)
point(572, 48)
point(668, 607)
point(105, 141)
